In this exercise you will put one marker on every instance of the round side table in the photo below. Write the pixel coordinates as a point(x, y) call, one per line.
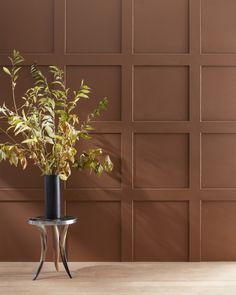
point(59, 230)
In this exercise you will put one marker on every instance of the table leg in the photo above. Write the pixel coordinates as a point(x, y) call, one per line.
point(43, 239)
point(56, 248)
point(62, 249)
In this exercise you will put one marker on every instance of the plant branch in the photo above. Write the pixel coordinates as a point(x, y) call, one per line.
point(13, 95)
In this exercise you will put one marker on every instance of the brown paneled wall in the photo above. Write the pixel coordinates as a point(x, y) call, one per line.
point(169, 68)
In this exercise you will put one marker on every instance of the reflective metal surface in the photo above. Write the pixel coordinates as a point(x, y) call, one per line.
point(40, 220)
point(59, 231)
point(43, 239)
point(62, 249)
point(56, 248)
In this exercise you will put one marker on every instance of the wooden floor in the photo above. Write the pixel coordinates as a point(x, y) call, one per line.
point(210, 278)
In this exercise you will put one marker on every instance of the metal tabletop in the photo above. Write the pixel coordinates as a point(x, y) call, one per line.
point(40, 220)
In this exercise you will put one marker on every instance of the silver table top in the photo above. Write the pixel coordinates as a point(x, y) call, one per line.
point(40, 220)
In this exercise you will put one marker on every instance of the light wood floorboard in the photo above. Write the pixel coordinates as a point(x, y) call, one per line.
point(167, 278)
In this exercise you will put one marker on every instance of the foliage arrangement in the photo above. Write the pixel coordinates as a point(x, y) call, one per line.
point(45, 128)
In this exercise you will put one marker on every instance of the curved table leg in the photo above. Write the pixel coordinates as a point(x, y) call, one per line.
point(56, 250)
point(62, 249)
point(43, 239)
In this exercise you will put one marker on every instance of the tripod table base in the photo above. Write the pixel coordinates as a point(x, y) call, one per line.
point(59, 231)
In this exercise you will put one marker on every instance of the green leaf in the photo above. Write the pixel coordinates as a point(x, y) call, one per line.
point(82, 95)
point(6, 70)
point(63, 176)
point(89, 127)
point(30, 140)
point(13, 159)
point(49, 131)
point(16, 70)
point(99, 169)
point(3, 155)
point(84, 135)
point(23, 162)
point(85, 91)
point(18, 125)
point(48, 140)
point(23, 114)
point(108, 165)
point(24, 128)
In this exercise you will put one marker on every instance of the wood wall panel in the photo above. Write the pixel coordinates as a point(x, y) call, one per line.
point(218, 93)
point(160, 231)
point(168, 68)
point(167, 88)
point(19, 240)
point(218, 160)
point(32, 30)
point(161, 26)
point(157, 164)
point(218, 26)
point(92, 29)
point(218, 219)
point(96, 236)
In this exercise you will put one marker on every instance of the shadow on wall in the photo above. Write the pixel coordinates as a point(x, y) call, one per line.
point(24, 189)
point(160, 229)
point(111, 144)
point(97, 235)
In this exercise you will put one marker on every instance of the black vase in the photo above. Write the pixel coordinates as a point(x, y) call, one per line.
point(52, 197)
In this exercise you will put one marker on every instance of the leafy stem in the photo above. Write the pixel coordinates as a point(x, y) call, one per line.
point(48, 127)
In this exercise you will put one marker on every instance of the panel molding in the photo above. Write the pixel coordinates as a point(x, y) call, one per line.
point(120, 51)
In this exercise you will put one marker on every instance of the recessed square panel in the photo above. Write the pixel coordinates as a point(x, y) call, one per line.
point(27, 26)
point(218, 160)
point(161, 26)
point(105, 81)
point(93, 26)
point(218, 93)
point(19, 240)
point(161, 93)
point(96, 237)
point(161, 161)
point(218, 231)
point(161, 231)
point(111, 144)
point(218, 26)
